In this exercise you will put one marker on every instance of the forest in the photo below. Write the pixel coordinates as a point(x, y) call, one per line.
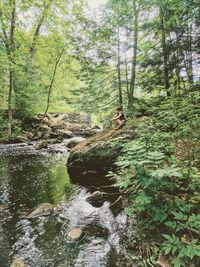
point(64, 56)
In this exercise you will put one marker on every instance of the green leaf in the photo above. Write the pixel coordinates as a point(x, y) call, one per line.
point(178, 262)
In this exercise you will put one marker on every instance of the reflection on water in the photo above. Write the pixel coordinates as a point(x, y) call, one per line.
point(29, 178)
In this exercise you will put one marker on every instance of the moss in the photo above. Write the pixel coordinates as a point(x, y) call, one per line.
point(98, 153)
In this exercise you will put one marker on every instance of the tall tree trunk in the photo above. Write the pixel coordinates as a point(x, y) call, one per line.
point(190, 56)
point(10, 115)
point(164, 52)
point(177, 67)
point(126, 73)
point(50, 89)
point(134, 60)
point(11, 64)
point(29, 65)
point(119, 68)
point(39, 25)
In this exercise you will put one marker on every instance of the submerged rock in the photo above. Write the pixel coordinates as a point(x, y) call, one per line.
point(96, 199)
point(43, 210)
point(75, 234)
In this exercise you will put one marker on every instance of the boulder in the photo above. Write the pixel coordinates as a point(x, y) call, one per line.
point(56, 123)
point(74, 141)
point(65, 133)
point(43, 210)
point(21, 139)
point(55, 135)
point(96, 127)
point(75, 235)
point(96, 199)
point(86, 132)
point(46, 131)
point(98, 153)
point(41, 144)
point(38, 135)
point(17, 262)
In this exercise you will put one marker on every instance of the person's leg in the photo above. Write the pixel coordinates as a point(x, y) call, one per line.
point(114, 122)
point(118, 124)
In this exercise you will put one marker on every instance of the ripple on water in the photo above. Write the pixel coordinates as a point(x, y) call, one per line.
point(29, 178)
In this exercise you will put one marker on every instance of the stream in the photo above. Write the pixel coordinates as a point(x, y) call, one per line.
point(29, 178)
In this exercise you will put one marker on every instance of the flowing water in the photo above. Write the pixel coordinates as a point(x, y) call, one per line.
point(29, 178)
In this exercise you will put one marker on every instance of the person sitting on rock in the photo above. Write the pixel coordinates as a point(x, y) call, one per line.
point(119, 119)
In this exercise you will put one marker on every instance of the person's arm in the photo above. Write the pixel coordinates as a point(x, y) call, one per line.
point(116, 117)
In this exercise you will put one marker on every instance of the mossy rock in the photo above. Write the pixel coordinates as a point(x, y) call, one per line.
point(91, 160)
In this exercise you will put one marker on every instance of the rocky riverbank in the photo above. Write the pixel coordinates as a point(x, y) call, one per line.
point(55, 128)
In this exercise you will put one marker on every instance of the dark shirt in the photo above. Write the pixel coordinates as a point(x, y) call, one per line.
point(121, 116)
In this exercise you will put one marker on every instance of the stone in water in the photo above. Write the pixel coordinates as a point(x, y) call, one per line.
point(42, 210)
point(75, 234)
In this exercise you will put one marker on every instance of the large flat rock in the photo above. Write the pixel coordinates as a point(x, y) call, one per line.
point(91, 160)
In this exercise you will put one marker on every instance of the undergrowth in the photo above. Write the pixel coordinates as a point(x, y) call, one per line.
point(160, 172)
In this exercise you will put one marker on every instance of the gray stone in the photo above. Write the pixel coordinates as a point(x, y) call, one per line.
point(43, 210)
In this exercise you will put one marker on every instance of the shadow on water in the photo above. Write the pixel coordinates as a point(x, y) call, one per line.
point(29, 178)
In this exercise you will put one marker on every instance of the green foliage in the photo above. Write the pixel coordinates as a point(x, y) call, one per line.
point(36, 43)
point(162, 178)
point(184, 251)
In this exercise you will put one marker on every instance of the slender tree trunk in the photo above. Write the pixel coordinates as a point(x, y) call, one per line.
point(177, 68)
point(50, 90)
point(134, 60)
point(190, 57)
point(11, 64)
point(119, 68)
point(164, 52)
point(126, 73)
point(29, 65)
point(37, 30)
point(10, 115)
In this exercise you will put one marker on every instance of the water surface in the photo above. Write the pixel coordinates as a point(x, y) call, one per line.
point(29, 178)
